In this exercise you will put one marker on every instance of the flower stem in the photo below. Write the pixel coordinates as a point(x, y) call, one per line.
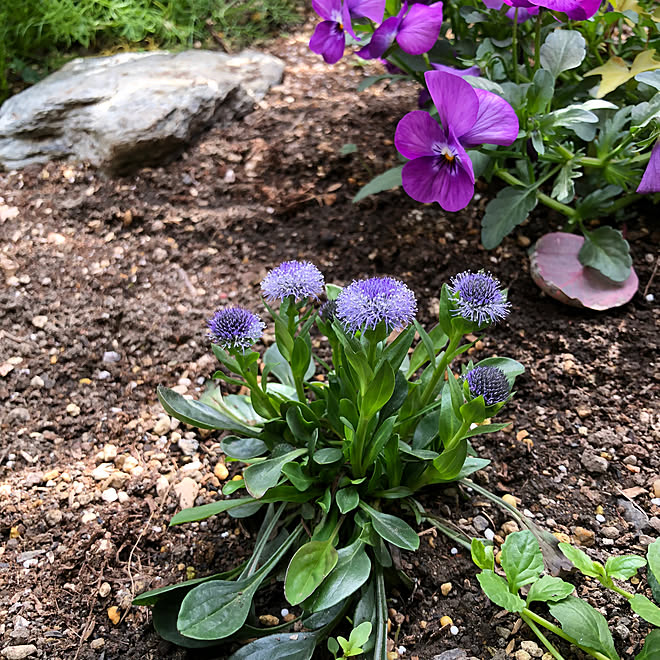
point(537, 40)
point(514, 46)
point(430, 392)
point(546, 642)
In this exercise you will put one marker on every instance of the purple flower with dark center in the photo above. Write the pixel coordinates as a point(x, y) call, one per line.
point(480, 298)
point(415, 30)
point(440, 169)
point(489, 382)
point(300, 279)
point(329, 38)
point(366, 303)
point(234, 328)
point(576, 10)
point(524, 11)
point(650, 182)
point(328, 311)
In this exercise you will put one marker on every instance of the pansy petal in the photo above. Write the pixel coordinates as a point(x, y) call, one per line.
point(575, 9)
point(455, 188)
point(471, 71)
point(418, 178)
point(455, 99)
point(328, 40)
point(328, 9)
point(373, 9)
point(494, 4)
point(381, 39)
point(522, 3)
point(650, 182)
point(420, 28)
point(497, 122)
point(416, 134)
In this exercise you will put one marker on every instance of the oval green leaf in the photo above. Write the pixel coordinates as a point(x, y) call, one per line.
point(307, 570)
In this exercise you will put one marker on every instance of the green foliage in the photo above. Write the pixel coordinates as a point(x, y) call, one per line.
point(36, 35)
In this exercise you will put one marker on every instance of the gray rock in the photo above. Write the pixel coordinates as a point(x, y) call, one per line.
point(18, 652)
point(636, 517)
point(594, 463)
point(131, 109)
point(111, 356)
point(480, 523)
point(452, 654)
point(18, 414)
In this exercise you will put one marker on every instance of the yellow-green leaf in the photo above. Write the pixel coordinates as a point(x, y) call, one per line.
point(615, 71)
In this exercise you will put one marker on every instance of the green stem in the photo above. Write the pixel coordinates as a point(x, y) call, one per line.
point(449, 533)
point(357, 447)
point(560, 633)
point(430, 392)
point(546, 642)
point(619, 590)
point(537, 41)
point(514, 46)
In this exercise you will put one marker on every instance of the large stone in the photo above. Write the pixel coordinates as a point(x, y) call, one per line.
point(132, 109)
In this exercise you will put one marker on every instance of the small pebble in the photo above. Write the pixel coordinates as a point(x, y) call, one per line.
point(111, 356)
point(453, 630)
point(600, 518)
point(489, 534)
point(109, 495)
point(649, 297)
point(445, 588)
point(97, 644)
point(446, 621)
point(268, 620)
point(401, 650)
point(510, 500)
point(18, 652)
point(454, 551)
point(104, 590)
point(284, 612)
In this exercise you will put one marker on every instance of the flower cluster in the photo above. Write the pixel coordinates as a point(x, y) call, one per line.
point(489, 382)
point(235, 328)
point(479, 298)
point(366, 303)
point(296, 279)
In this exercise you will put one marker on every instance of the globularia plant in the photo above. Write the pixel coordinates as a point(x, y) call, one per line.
point(559, 99)
point(334, 449)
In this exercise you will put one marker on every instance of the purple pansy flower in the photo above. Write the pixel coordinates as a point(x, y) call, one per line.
point(440, 169)
point(424, 96)
point(235, 328)
point(524, 11)
point(650, 182)
point(415, 30)
point(576, 10)
point(298, 279)
point(366, 303)
point(329, 38)
point(489, 382)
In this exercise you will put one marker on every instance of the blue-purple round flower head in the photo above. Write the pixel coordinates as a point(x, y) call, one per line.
point(300, 279)
point(489, 382)
point(480, 298)
point(328, 311)
point(235, 328)
point(366, 303)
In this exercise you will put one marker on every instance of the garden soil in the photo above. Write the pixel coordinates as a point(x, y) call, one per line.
point(106, 287)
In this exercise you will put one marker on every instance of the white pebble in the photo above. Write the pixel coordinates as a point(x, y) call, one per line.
point(453, 630)
point(454, 551)
point(284, 612)
point(224, 535)
point(649, 297)
point(656, 501)
point(401, 650)
point(528, 513)
point(562, 468)
point(489, 534)
point(600, 518)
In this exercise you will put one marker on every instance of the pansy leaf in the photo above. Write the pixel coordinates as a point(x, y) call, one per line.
point(497, 590)
point(624, 566)
point(482, 555)
point(653, 558)
point(548, 588)
point(651, 650)
point(581, 561)
point(646, 609)
point(585, 624)
point(504, 213)
point(522, 559)
point(385, 181)
point(563, 50)
point(608, 252)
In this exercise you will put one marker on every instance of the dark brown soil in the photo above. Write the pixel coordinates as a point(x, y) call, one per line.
point(134, 266)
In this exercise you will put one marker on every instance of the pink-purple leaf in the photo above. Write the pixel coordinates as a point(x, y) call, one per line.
point(556, 269)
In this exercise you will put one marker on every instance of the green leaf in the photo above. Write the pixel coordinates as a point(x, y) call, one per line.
point(296, 476)
point(259, 477)
point(497, 590)
point(307, 570)
point(199, 414)
point(564, 188)
point(450, 463)
point(217, 609)
point(504, 213)
point(646, 609)
point(164, 616)
point(392, 529)
point(563, 50)
point(351, 572)
point(285, 646)
point(347, 499)
point(585, 624)
point(348, 148)
point(548, 588)
point(328, 455)
point(608, 252)
point(581, 561)
point(378, 391)
point(624, 566)
point(385, 181)
point(654, 585)
point(522, 559)
point(511, 368)
point(482, 555)
point(653, 558)
point(243, 448)
point(196, 513)
point(360, 634)
point(651, 650)
point(472, 464)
